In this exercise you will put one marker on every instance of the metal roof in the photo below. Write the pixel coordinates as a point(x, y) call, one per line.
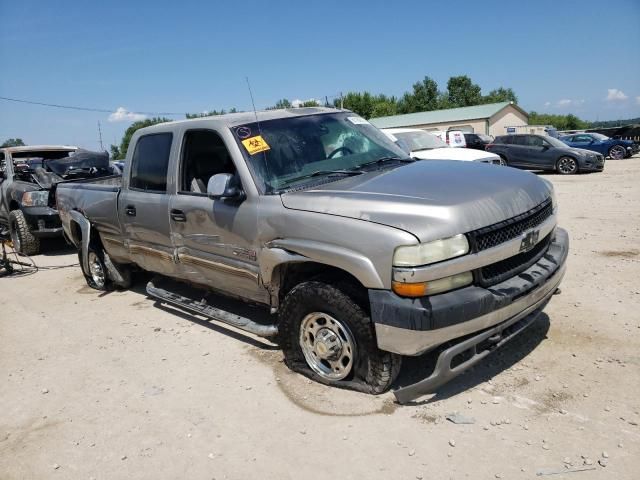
point(442, 116)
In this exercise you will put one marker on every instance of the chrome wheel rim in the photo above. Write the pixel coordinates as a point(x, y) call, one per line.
point(327, 345)
point(95, 270)
point(567, 165)
point(617, 152)
point(502, 162)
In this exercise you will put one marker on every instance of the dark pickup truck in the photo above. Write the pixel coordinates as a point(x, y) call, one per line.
point(361, 254)
point(27, 175)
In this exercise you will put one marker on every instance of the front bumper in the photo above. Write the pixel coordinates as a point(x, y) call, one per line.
point(414, 326)
point(43, 221)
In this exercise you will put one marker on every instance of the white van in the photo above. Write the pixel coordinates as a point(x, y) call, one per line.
point(425, 146)
point(453, 138)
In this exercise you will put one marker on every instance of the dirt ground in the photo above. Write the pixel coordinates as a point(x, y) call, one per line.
point(115, 386)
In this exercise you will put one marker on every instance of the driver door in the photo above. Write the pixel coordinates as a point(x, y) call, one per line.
point(213, 238)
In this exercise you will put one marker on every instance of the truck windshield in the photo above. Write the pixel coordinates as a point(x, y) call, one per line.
point(287, 152)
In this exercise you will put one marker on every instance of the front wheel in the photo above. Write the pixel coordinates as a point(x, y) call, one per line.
point(503, 161)
point(617, 152)
point(24, 242)
point(326, 336)
point(567, 166)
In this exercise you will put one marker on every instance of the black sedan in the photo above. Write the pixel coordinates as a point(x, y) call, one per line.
point(541, 152)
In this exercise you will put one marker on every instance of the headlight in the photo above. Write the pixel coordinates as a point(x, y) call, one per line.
point(432, 252)
point(35, 199)
point(433, 287)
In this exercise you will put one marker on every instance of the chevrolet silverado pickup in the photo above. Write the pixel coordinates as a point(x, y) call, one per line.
point(361, 254)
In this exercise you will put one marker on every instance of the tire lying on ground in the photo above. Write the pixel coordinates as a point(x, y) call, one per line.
point(327, 337)
point(24, 242)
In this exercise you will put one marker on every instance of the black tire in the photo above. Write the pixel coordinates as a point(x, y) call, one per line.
point(567, 166)
point(373, 370)
point(503, 161)
point(93, 278)
point(24, 242)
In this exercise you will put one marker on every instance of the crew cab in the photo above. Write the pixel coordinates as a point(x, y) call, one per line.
point(27, 174)
point(361, 254)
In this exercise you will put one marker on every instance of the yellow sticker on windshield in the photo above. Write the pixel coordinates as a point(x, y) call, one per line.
point(255, 145)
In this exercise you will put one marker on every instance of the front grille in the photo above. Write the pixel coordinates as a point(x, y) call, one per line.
point(501, 232)
point(509, 267)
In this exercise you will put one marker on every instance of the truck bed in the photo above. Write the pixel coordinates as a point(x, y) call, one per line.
point(96, 199)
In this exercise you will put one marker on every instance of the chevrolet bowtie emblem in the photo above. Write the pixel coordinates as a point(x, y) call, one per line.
point(529, 240)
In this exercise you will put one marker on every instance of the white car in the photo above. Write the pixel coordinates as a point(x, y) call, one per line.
point(453, 138)
point(425, 146)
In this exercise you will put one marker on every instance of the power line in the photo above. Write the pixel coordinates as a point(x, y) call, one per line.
point(85, 109)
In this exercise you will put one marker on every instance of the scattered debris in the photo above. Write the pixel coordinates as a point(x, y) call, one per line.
point(459, 419)
point(452, 442)
point(412, 453)
point(45, 390)
point(56, 466)
point(603, 462)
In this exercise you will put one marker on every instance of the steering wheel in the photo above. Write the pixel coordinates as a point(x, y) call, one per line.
point(346, 150)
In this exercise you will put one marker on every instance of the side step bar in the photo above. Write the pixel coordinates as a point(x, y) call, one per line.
point(203, 308)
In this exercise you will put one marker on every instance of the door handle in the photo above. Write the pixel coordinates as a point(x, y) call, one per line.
point(178, 215)
point(130, 210)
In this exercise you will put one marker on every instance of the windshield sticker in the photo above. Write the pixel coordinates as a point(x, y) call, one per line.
point(255, 145)
point(243, 132)
point(357, 120)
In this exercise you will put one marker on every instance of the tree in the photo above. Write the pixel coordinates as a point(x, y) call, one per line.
point(462, 92)
point(561, 122)
point(310, 103)
point(115, 152)
point(209, 114)
point(424, 98)
point(500, 95)
point(283, 103)
point(13, 142)
point(124, 144)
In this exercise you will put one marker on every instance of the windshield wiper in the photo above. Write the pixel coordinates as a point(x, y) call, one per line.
point(324, 172)
point(382, 160)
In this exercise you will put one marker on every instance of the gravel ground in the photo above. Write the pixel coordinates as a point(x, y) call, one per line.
point(115, 386)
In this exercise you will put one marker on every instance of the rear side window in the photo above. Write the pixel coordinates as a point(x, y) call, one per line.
point(519, 140)
point(150, 163)
point(504, 140)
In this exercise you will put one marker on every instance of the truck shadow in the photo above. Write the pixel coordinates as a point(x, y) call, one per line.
point(415, 369)
point(54, 247)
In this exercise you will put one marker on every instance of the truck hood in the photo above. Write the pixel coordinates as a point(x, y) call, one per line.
point(464, 154)
point(431, 200)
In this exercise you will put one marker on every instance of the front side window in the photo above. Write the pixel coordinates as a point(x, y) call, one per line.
point(534, 141)
point(204, 155)
point(283, 152)
point(582, 138)
point(150, 163)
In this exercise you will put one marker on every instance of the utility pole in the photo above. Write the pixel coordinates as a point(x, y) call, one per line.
point(100, 136)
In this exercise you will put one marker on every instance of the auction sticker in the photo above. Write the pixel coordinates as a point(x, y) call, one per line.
point(255, 145)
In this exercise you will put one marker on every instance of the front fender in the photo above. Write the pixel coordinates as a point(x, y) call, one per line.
point(307, 250)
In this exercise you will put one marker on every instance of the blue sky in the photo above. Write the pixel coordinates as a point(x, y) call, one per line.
point(188, 56)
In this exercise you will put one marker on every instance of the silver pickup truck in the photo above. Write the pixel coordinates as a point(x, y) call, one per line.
point(362, 255)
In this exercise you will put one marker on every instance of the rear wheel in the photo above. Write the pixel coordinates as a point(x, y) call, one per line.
point(24, 242)
point(617, 152)
point(96, 275)
point(503, 161)
point(567, 166)
point(326, 336)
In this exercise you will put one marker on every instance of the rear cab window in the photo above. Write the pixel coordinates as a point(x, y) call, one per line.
point(150, 163)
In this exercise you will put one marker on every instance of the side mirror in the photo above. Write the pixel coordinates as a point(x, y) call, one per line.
point(224, 185)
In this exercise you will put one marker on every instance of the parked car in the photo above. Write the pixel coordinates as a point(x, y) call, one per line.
point(27, 174)
point(541, 152)
point(453, 138)
point(426, 146)
point(613, 148)
point(477, 141)
point(362, 254)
